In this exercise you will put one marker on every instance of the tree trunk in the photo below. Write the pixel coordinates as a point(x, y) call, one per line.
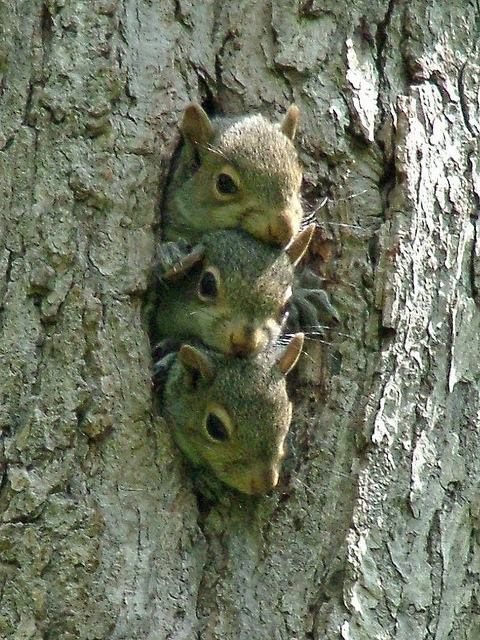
point(373, 532)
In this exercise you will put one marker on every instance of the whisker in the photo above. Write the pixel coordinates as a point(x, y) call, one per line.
point(217, 152)
point(307, 355)
point(338, 224)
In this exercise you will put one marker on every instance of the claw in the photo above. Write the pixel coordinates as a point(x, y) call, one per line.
point(310, 304)
point(163, 355)
point(174, 258)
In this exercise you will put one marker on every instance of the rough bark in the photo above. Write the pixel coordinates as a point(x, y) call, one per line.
point(374, 530)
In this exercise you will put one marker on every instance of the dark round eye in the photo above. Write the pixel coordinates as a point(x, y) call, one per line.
point(225, 185)
point(216, 428)
point(207, 287)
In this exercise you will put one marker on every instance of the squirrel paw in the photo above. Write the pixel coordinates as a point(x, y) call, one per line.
point(310, 309)
point(163, 356)
point(174, 259)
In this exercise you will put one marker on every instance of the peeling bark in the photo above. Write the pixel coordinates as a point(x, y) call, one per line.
point(374, 529)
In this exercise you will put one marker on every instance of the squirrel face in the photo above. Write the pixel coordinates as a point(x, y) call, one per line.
point(237, 330)
point(233, 293)
point(235, 174)
point(232, 415)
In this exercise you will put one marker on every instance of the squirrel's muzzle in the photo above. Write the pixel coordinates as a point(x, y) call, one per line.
point(245, 341)
point(261, 482)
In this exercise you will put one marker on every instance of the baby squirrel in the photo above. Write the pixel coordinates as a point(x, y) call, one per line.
point(234, 173)
point(231, 291)
point(231, 415)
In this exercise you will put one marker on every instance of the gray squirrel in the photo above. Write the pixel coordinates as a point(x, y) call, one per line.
point(234, 173)
point(231, 291)
point(231, 415)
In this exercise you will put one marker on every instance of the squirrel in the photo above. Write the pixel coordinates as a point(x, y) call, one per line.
point(234, 173)
point(231, 415)
point(231, 291)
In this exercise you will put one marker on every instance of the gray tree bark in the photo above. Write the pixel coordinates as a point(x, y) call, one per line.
point(374, 530)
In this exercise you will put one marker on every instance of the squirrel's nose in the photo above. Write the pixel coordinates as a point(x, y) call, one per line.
point(260, 478)
point(244, 341)
point(281, 230)
point(263, 481)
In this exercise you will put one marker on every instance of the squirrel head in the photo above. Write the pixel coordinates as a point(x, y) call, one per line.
point(233, 292)
point(238, 173)
point(232, 415)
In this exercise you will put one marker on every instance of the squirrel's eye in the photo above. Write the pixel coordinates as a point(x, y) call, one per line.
point(216, 428)
point(225, 185)
point(207, 287)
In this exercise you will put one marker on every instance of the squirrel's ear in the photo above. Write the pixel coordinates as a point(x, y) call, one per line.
point(183, 266)
point(196, 126)
point(297, 247)
point(291, 354)
point(290, 122)
point(196, 363)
